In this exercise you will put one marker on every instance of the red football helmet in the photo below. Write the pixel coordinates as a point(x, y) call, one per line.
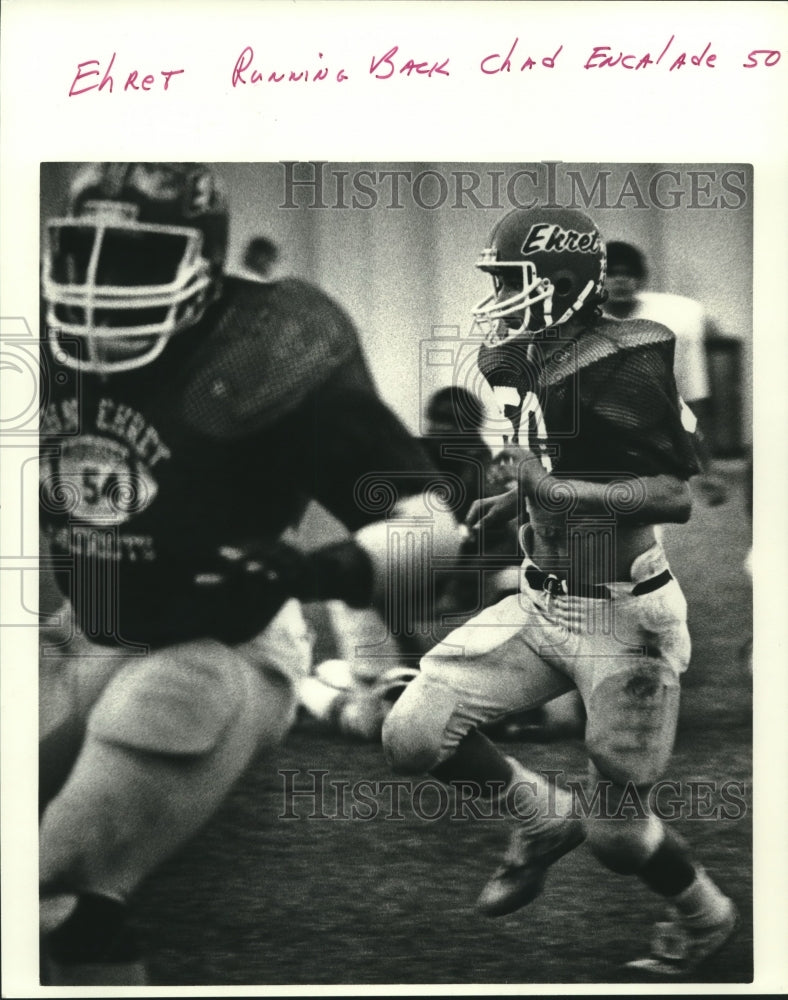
point(550, 262)
point(137, 259)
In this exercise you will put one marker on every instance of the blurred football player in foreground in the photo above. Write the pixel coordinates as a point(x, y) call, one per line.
point(187, 419)
point(593, 405)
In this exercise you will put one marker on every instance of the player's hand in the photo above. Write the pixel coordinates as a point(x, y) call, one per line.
point(237, 591)
point(339, 571)
point(275, 566)
point(531, 473)
point(569, 612)
point(492, 512)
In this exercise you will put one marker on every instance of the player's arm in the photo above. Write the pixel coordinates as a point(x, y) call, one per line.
point(491, 512)
point(711, 487)
point(635, 500)
point(370, 473)
point(631, 416)
point(402, 523)
point(660, 499)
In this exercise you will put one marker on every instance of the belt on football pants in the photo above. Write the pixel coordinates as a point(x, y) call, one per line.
point(553, 584)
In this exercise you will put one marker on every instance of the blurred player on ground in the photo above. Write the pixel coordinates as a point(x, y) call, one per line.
point(187, 419)
point(593, 405)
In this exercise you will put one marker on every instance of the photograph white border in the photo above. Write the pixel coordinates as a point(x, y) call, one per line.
point(723, 112)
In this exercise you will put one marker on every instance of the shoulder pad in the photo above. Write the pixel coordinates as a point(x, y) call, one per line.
point(269, 346)
point(623, 333)
point(606, 338)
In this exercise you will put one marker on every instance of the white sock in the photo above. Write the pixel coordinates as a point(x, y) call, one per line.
point(533, 802)
point(702, 903)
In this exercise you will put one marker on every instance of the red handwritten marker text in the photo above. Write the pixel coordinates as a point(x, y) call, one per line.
point(602, 57)
point(770, 58)
point(134, 81)
point(493, 63)
point(385, 67)
point(245, 72)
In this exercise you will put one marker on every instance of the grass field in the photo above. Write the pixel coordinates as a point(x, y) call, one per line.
point(256, 899)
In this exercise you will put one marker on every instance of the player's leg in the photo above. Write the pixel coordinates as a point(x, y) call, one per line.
point(482, 671)
point(630, 840)
point(72, 673)
point(632, 704)
point(166, 740)
point(354, 691)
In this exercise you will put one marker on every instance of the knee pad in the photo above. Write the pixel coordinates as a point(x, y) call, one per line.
point(623, 845)
point(632, 717)
point(417, 733)
point(175, 701)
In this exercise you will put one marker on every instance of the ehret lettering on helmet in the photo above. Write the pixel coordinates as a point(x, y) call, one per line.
point(546, 237)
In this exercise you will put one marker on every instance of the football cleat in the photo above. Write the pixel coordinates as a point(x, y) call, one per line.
point(520, 879)
point(678, 948)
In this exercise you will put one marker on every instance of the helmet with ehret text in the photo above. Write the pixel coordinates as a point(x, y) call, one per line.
point(547, 264)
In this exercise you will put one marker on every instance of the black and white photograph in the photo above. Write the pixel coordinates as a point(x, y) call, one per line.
point(392, 482)
point(387, 628)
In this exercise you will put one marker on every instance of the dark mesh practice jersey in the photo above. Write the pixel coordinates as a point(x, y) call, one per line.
point(603, 405)
point(265, 405)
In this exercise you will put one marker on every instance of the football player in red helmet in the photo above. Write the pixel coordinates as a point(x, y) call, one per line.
point(592, 406)
point(545, 268)
point(188, 417)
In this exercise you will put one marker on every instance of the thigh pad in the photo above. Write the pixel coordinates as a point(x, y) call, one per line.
point(178, 700)
point(632, 716)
